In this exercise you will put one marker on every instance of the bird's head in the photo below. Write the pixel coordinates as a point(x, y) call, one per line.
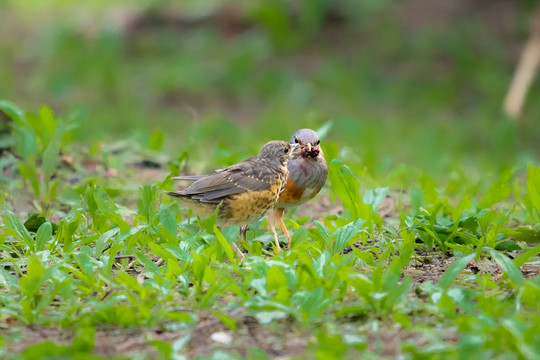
point(308, 143)
point(276, 154)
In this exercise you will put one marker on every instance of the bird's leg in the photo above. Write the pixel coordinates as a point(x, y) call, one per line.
point(279, 214)
point(272, 224)
point(238, 252)
point(243, 231)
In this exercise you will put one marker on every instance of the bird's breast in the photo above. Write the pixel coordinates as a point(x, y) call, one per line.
point(306, 178)
point(249, 206)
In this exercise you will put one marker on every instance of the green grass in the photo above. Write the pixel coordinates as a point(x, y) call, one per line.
point(423, 243)
point(351, 285)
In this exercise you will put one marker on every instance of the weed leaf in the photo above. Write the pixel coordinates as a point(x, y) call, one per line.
point(454, 270)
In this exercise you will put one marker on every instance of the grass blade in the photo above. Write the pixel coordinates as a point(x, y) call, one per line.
point(523, 258)
point(345, 185)
point(508, 267)
point(14, 223)
point(454, 270)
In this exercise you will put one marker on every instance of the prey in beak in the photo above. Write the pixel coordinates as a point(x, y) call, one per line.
point(309, 151)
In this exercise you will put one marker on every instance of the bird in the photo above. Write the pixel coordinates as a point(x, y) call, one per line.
point(245, 192)
point(308, 172)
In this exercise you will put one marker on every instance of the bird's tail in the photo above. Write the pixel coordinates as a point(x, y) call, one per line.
point(188, 178)
point(178, 194)
point(181, 194)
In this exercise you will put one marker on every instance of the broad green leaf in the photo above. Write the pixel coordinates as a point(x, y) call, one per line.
point(498, 191)
point(324, 129)
point(523, 258)
point(429, 188)
point(391, 275)
point(458, 247)
point(330, 150)
point(50, 155)
point(200, 263)
point(83, 342)
point(34, 221)
point(146, 262)
point(231, 232)
point(507, 266)
point(454, 270)
point(29, 172)
point(35, 275)
point(346, 233)
point(517, 329)
point(132, 231)
point(129, 281)
point(418, 199)
point(299, 236)
point(457, 213)
point(161, 252)
point(43, 235)
point(12, 111)
point(164, 348)
point(179, 316)
point(312, 300)
point(345, 186)
point(104, 202)
point(7, 280)
point(231, 324)
point(397, 293)
point(101, 243)
point(224, 243)
point(210, 222)
point(365, 256)
point(176, 252)
point(48, 350)
point(147, 203)
point(375, 196)
point(85, 262)
point(167, 219)
point(323, 231)
point(533, 185)
point(407, 248)
point(275, 279)
point(46, 117)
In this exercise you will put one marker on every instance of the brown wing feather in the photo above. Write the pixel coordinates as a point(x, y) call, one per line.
point(235, 179)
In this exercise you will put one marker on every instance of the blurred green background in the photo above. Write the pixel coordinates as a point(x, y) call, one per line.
point(411, 83)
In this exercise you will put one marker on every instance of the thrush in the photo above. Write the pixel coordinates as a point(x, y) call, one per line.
point(247, 191)
point(308, 171)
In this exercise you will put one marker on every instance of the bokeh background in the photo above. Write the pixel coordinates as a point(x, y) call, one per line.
point(413, 84)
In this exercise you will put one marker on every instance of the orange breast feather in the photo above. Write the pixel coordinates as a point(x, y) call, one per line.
point(292, 193)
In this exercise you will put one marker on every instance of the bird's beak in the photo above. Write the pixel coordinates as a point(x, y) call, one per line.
point(292, 147)
point(308, 147)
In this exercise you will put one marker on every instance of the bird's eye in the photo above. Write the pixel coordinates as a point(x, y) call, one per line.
point(296, 140)
point(286, 150)
point(318, 142)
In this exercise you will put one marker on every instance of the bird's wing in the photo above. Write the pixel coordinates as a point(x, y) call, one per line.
point(235, 179)
point(198, 177)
